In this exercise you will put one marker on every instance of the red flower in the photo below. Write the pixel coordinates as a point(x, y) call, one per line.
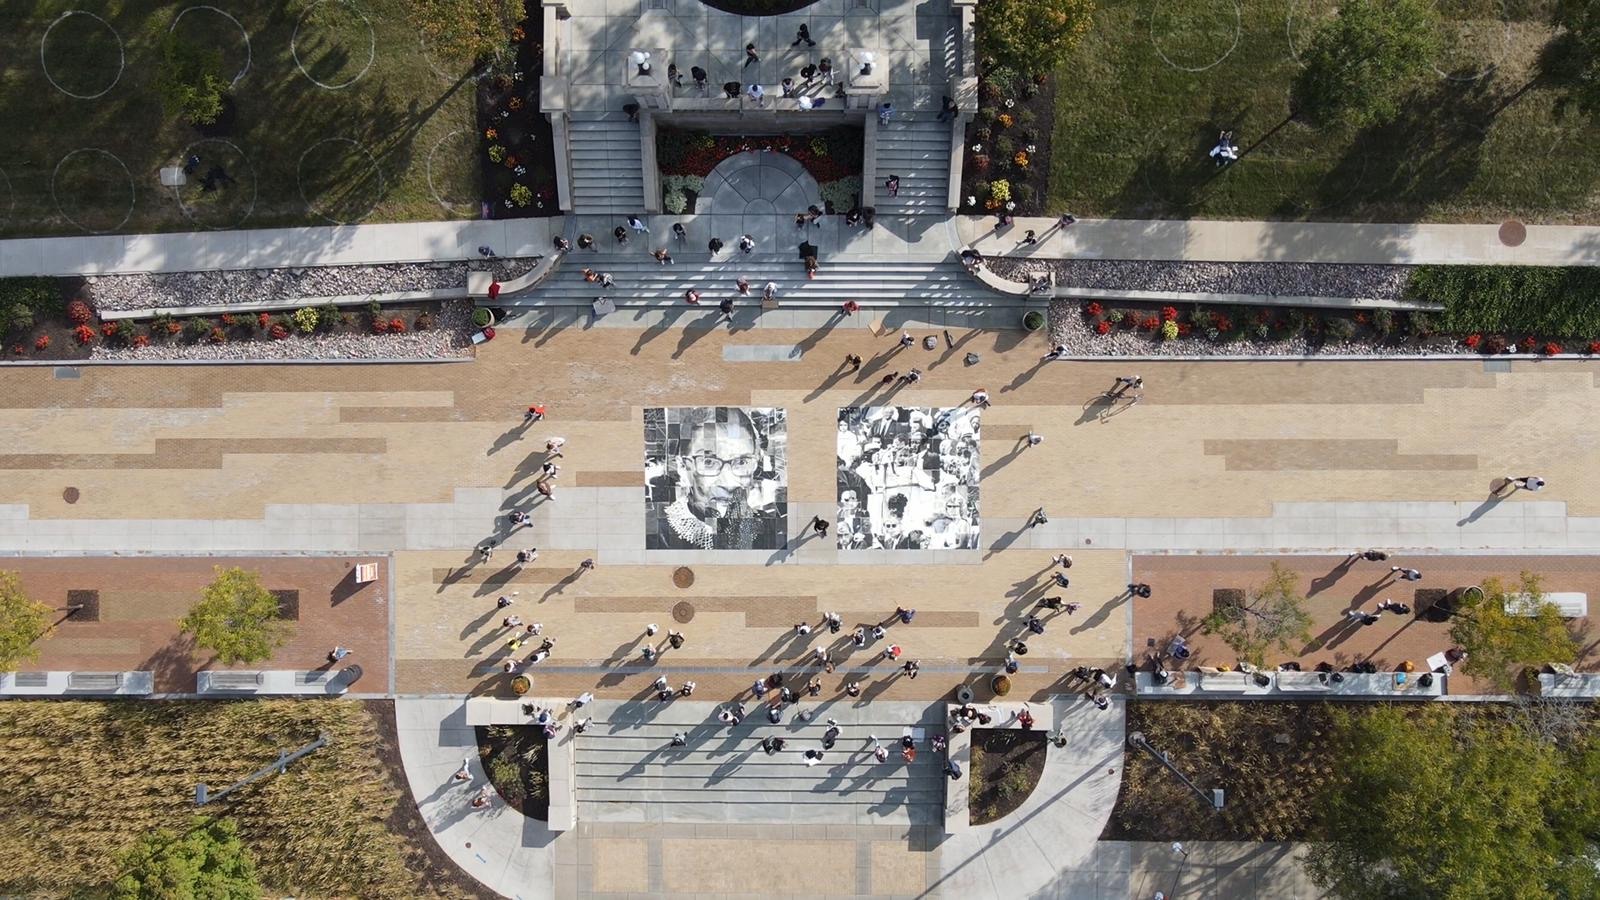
point(263, 320)
point(1184, 328)
point(1528, 343)
point(175, 326)
point(380, 326)
point(1552, 348)
point(278, 332)
point(228, 319)
point(141, 340)
point(1093, 309)
point(1221, 322)
point(1594, 346)
point(1169, 314)
point(84, 334)
point(110, 329)
point(1102, 327)
point(1149, 323)
point(397, 325)
point(1472, 341)
point(41, 342)
point(218, 336)
point(79, 312)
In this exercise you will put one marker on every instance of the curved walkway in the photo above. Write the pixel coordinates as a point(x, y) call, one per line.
point(1050, 846)
point(506, 851)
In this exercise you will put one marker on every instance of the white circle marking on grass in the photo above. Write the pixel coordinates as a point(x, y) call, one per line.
point(255, 186)
point(1238, 29)
point(432, 188)
point(242, 33)
point(372, 46)
point(300, 183)
point(56, 198)
point(122, 55)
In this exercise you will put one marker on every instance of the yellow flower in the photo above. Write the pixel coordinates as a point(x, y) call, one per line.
point(1005, 120)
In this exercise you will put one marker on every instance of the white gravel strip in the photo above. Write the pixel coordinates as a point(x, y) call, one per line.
point(450, 338)
point(1282, 279)
point(1069, 326)
point(123, 292)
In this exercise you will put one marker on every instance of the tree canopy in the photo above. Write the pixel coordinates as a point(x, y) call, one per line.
point(1498, 644)
point(1272, 616)
point(22, 623)
point(191, 80)
point(1577, 61)
point(236, 618)
point(207, 862)
point(1030, 36)
point(1434, 804)
point(1361, 62)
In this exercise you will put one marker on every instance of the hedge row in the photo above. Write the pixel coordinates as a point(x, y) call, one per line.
point(1542, 300)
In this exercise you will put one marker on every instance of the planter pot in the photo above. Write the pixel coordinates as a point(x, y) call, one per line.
point(521, 685)
point(1001, 685)
point(963, 695)
point(1033, 320)
point(483, 317)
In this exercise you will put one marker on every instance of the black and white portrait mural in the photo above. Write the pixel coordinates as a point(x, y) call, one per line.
point(908, 478)
point(716, 478)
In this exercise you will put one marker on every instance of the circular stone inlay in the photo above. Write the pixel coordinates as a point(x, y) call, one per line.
point(683, 576)
point(683, 612)
point(1513, 233)
point(70, 495)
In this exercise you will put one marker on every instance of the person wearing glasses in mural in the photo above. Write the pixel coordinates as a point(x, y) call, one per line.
point(724, 486)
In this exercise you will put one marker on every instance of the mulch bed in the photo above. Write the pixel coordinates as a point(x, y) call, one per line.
point(427, 859)
point(1015, 113)
point(531, 794)
point(1226, 324)
point(511, 127)
point(1006, 766)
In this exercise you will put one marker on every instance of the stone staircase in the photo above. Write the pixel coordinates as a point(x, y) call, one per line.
point(627, 770)
point(641, 281)
point(917, 148)
point(607, 172)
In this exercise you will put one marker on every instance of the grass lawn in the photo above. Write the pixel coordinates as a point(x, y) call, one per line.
point(1144, 95)
point(300, 154)
point(83, 780)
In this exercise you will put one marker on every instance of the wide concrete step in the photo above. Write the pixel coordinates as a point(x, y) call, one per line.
point(686, 811)
point(826, 789)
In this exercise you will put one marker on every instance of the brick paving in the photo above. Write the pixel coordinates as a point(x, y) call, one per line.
point(1182, 586)
point(141, 600)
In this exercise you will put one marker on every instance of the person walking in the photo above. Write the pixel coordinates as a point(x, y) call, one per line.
point(885, 113)
point(853, 689)
point(947, 109)
point(621, 234)
point(1028, 237)
point(750, 55)
point(678, 740)
point(691, 297)
point(911, 668)
point(979, 398)
point(892, 652)
point(1372, 555)
point(582, 700)
point(906, 339)
point(802, 629)
point(804, 34)
point(769, 291)
point(1035, 625)
point(830, 736)
point(505, 600)
point(338, 653)
point(1038, 517)
point(859, 638)
point(1050, 603)
point(662, 256)
point(853, 361)
point(1407, 574)
point(819, 525)
point(726, 305)
point(679, 232)
point(834, 621)
point(892, 185)
point(747, 243)
point(1061, 580)
point(879, 751)
point(825, 69)
point(637, 224)
point(1140, 590)
point(1059, 351)
point(1526, 482)
point(675, 639)
point(905, 615)
point(552, 447)
point(534, 414)
point(586, 242)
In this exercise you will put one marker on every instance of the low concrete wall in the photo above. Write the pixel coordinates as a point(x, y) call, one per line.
point(1192, 297)
point(276, 305)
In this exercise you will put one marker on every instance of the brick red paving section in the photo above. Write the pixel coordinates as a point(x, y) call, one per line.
point(1181, 596)
point(142, 598)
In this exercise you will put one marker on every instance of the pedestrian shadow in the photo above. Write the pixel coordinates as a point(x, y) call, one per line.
point(951, 348)
point(1103, 407)
point(561, 585)
point(1002, 462)
point(1324, 582)
point(510, 437)
point(1004, 541)
point(827, 384)
point(1490, 502)
point(815, 337)
point(1102, 613)
point(1023, 377)
point(533, 462)
point(694, 331)
point(669, 318)
point(1332, 636)
point(457, 573)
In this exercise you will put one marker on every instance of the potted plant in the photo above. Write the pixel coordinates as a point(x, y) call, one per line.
point(1001, 685)
point(1033, 320)
point(521, 685)
point(482, 317)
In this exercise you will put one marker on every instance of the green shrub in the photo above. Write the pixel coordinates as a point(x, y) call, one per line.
point(521, 195)
point(1383, 321)
point(1339, 328)
point(1022, 193)
point(197, 327)
point(480, 317)
point(327, 315)
point(675, 202)
point(843, 192)
point(1562, 301)
point(305, 320)
point(191, 81)
point(23, 301)
point(506, 776)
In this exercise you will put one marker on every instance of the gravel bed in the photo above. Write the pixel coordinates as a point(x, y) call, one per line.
point(1069, 326)
point(122, 292)
point(450, 338)
point(1291, 279)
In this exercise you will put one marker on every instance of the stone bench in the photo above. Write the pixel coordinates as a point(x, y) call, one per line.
point(1573, 685)
point(48, 684)
point(1351, 684)
point(1572, 604)
point(478, 281)
point(271, 681)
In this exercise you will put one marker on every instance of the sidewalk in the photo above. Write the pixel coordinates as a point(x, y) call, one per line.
point(274, 247)
point(1322, 242)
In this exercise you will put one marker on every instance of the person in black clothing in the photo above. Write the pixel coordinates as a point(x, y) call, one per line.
point(699, 76)
point(808, 72)
point(731, 89)
point(714, 245)
point(804, 34)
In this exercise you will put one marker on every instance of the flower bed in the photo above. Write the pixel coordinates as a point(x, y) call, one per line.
point(516, 147)
point(1007, 162)
point(1151, 329)
point(685, 158)
point(517, 761)
point(1004, 768)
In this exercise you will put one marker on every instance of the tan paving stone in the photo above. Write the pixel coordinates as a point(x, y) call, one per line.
point(620, 865)
point(897, 870)
point(765, 867)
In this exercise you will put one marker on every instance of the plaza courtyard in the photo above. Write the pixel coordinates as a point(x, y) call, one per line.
point(840, 545)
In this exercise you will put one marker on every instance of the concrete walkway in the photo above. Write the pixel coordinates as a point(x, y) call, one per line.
point(927, 237)
point(1050, 846)
point(1322, 242)
point(507, 852)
